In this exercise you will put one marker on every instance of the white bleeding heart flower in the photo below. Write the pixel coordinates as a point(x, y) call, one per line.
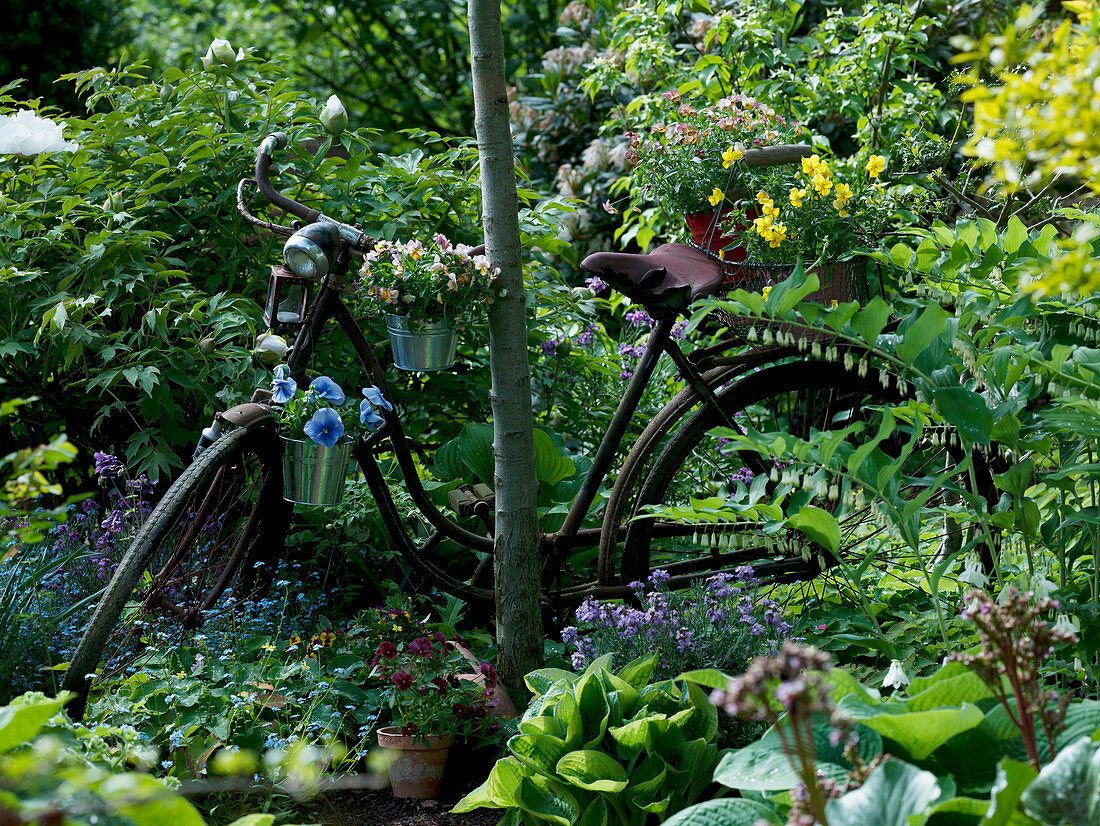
point(334, 117)
point(27, 133)
point(896, 678)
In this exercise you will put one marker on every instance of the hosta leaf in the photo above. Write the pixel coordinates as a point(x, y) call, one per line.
point(724, 812)
point(918, 732)
point(541, 752)
point(891, 794)
point(592, 770)
point(549, 800)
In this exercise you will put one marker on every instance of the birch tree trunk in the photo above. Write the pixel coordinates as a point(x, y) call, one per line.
point(517, 561)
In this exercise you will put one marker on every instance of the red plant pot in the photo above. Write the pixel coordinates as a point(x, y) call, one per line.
point(723, 235)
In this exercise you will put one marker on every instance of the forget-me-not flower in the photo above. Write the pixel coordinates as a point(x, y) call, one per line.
point(325, 428)
point(328, 389)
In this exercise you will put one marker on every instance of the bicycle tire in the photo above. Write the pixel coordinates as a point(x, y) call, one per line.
point(261, 526)
point(791, 386)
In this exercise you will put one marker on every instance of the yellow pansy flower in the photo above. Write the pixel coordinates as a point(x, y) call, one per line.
point(763, 198)
point(731, 156)
point(797, 195)
point(875, 166)
point(822, 184)
point(716, 197)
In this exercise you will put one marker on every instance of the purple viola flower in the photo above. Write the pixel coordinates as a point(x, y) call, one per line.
point(106, 465)
point(549, 347)
point(596, 284)
point(325, 428)
point(375, 397)
point(367, 415)
point(326, 388)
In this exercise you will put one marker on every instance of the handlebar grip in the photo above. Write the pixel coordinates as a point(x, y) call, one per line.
point(779, 155)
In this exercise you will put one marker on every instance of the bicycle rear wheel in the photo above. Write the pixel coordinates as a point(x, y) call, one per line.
point(810, 401)
point(223, 514)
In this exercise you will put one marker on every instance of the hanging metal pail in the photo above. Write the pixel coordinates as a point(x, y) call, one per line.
point(420, 347)
point(314, 474)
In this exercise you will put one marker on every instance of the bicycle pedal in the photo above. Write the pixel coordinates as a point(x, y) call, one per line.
point(466, 499)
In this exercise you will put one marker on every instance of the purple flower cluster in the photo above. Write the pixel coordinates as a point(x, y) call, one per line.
point(639, 318)
point(717, 623)
point(549, 347)
point(596, 284)
point(103, 530)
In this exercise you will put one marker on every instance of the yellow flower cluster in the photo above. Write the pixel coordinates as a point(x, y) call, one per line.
point(821, 177)
point(766, 225)
point(843, 196)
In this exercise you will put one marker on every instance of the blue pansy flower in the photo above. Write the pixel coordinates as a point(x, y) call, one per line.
point(328, 389)
point(375, 397)
point(367, 415)
point(325, 428)
point(283, 387)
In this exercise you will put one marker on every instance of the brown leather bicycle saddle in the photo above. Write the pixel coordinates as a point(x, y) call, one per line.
point(670, 277)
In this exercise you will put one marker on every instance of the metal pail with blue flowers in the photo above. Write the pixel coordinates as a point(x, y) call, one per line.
point(314, 474)
point(420, 347)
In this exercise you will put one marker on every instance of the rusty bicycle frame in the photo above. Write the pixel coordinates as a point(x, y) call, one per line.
point(702, 370)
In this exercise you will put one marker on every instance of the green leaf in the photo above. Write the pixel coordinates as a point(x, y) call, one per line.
point(595, 814)
point(475, 448)
point(918, 732)
point(592, 703)
point(551, 465)
point(966, 410)
point(540, 752)
point(893, 792)
point(593, 770)
point(952, 685)
point(918, 335)
point(548, 799)
point(21, 724)
point(638, 672)
point(148, 801)
point(707, 677)
point(1014, 236)
point(724, 812)
point(540, 680)
point(448, 462)
point(254, 820)
point(871, 320)
point(1067, 790)
point(819, 525)
point(1013, 777)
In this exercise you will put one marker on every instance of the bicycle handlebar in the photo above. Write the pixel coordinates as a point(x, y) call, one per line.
point(355, 237)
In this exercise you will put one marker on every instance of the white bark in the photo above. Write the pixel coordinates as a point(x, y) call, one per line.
point(517, 563)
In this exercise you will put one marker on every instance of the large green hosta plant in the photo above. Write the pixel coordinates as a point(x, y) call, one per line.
point(603, 747)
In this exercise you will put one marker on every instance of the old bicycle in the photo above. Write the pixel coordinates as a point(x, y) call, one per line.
point(226, 510)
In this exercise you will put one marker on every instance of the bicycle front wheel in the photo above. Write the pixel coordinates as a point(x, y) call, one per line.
point(223, 514)
point(809, 403)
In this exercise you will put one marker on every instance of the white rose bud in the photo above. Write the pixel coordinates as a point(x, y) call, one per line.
point(334, 117)
point(166, 92)
point(114, 203)
point(270, 348)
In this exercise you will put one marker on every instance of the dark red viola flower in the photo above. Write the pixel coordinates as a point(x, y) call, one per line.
point(403, 680)
point(422, 647)
point(387, 649)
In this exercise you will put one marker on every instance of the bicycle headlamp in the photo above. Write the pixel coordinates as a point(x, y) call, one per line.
point(311, 251)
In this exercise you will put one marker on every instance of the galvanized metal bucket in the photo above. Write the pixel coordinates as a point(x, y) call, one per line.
point(314, 474)
point(419, 347)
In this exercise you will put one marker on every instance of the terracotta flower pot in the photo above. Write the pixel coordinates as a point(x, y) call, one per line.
point(417, 765)
point(723, 235)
